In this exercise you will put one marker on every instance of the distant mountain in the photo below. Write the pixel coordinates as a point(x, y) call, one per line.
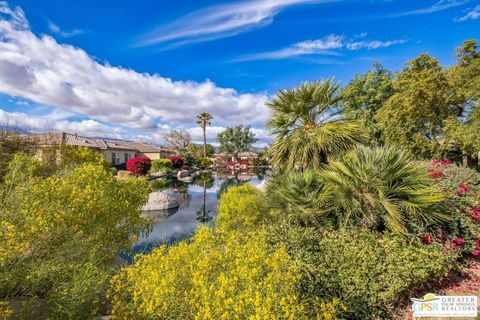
point(14, 129)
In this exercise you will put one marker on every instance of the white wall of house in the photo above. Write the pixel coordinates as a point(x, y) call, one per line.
point(117, 156)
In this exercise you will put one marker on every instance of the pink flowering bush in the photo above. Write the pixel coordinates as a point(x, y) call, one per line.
point(462, 199)
point(139, 166)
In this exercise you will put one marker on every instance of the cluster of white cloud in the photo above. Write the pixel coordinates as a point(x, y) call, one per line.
point(46, 72)
point(328, 45)
point(473, 14)
point(219, 21)
point(436, 7)
point(31, 123)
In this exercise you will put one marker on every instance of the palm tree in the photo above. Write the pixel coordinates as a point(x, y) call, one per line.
point(382, 189)
point(297, 196)
point(377, 188)
point(309, 127)
point(204, 119)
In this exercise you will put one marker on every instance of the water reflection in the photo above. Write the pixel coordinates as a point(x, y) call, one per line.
point(198, 204)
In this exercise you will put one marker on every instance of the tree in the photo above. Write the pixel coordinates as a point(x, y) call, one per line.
point(309, 127)
point(236, 139)
point(178, 139)
point(204, 119)
point(10, 144)
point(198, 152)
point(412, 118)
point(464, 76)
point(365, 95)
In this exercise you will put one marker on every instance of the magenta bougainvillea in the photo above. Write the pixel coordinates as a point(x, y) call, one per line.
point(177, 161)
point(139, 166)
point(461, 188)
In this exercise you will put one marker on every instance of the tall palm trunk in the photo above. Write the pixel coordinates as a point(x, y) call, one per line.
point(204, 141)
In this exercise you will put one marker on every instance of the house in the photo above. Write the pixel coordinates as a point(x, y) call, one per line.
point(151, 151)
point(226, 157)
point(248, 155)
point(115, 151)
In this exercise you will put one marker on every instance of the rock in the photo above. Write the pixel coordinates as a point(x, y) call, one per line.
point(186, 179)
point(161, 200)
point(262, 185)
point(157, 175)
point(123, 174)
point(182, 174)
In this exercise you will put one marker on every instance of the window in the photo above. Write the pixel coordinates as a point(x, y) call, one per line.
point(128, 156)
point(115, 158)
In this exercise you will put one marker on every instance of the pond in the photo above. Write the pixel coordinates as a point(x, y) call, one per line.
point(198, 205)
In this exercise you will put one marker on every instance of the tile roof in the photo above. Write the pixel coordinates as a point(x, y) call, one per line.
point(118, 144)
point(52, 138)
point(144, 147)
point(79, 141)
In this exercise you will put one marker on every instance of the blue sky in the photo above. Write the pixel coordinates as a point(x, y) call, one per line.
point(139, 68)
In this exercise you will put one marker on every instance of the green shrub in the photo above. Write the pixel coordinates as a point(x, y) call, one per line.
point(161, 165)
point(82, 296)
point(189, 159)
point(204, 163)
point(10, 144)
point(217, 275)
point(368, 271)
point(241, 207)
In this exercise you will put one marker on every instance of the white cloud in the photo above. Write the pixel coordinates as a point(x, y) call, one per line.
point(473, 14)
point(219, 21)
point(372, 45)
point(65, 34)
point(44, 71)
point(436, 7)
point(51, 122)
point(328, 45)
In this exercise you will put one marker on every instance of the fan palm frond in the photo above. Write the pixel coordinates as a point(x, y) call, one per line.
point(382, 188)
point(308, 125)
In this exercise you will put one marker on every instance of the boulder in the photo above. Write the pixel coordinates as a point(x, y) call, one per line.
point(186, 179)
point(262, 185)
point(157, 175)
point(161, 200)
point(182, 174)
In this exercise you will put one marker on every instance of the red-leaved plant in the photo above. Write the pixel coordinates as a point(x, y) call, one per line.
point(177, 161)
point(139, 166)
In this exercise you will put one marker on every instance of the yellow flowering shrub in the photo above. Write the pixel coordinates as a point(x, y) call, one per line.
point(52, 227)
point(218, 275)
point(242, 207)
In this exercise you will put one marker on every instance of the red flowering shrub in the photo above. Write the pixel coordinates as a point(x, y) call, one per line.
point(444, 162)
point(139, 166)
point(462, 190)
point(435, 173)
point(177, 161)
point(427, 239)
point(462, 200)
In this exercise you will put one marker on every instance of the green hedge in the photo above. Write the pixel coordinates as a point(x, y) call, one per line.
point(161, 165)
point(368, 271)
